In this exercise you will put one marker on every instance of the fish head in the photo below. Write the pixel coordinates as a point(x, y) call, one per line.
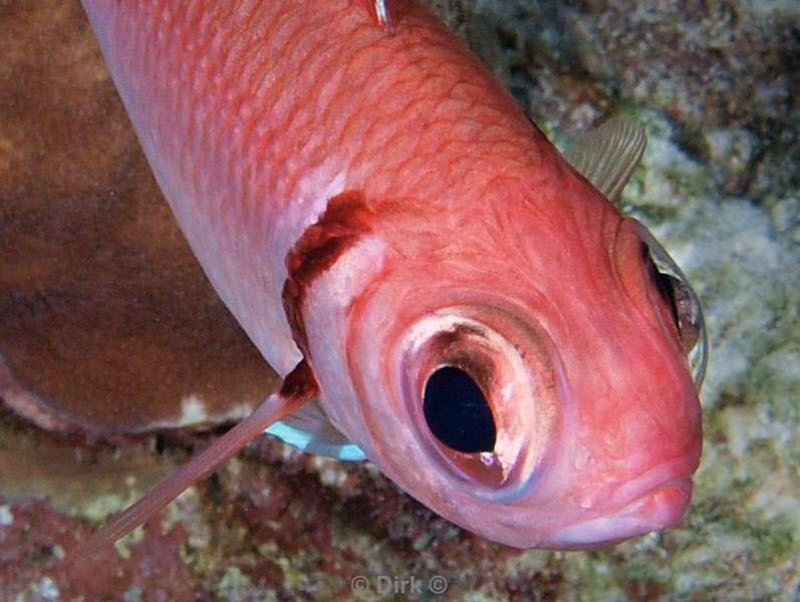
point(523, 372)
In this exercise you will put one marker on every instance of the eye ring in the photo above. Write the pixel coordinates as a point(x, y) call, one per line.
point(685, 303)
point(516, 378)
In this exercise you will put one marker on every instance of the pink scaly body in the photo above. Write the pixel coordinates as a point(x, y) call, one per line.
point(253, 117)
point(457, 235)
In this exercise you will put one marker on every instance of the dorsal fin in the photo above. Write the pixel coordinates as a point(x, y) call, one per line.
point(310, 430)
point(379, 12)
point(608, 155)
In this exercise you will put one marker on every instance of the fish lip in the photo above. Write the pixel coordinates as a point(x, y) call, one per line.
point(677, 469)
point(658, 508)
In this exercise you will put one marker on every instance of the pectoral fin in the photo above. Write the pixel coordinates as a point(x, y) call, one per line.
point(608, 155)
point(309, 430)
point(298, 387)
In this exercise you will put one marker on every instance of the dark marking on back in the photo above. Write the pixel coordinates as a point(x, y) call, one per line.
point(345, 220)
point(300, 383)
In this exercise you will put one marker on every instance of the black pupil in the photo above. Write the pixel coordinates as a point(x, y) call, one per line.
point(457, 412)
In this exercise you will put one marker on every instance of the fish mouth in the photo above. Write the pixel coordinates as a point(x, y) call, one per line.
point(659, 508)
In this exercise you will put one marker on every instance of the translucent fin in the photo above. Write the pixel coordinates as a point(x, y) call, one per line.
point(298, 387)
point(608, 155)
point(309, 429)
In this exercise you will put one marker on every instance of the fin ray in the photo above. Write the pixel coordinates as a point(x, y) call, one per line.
point(608, 155)
point(298, 387)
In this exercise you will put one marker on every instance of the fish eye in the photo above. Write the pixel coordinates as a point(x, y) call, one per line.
point(481, 396)
point(684, 305)
point(667, 287)
point(457, 412)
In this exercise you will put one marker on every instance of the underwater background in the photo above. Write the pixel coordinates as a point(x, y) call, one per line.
point(717, 85)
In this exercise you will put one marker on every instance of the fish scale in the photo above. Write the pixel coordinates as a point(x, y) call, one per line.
point(182, 123)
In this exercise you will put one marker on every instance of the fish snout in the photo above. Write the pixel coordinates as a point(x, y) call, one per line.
point(658, 508)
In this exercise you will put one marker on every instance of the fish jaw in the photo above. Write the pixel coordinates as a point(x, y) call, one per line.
point(655, 511)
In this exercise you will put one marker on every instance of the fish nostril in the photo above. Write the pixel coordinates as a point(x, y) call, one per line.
point(457, 412)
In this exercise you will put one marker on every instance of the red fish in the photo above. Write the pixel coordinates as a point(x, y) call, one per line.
point(444, 292)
